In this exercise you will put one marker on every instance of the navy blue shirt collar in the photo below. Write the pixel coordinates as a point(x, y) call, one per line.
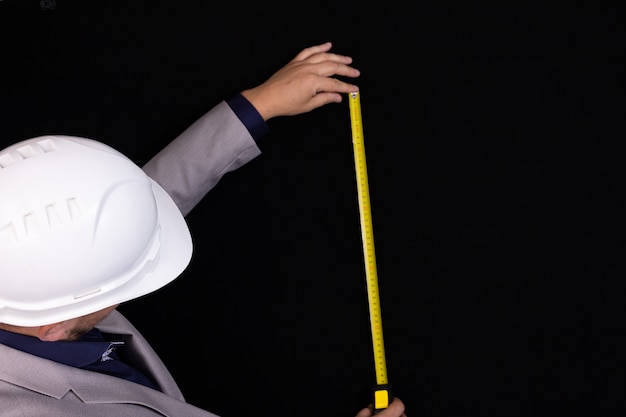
point(92, 352)
point(88, 350)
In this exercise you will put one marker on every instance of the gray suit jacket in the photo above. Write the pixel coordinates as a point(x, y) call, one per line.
point(31, 386)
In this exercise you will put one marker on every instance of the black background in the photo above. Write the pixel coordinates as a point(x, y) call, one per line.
point(493, 139)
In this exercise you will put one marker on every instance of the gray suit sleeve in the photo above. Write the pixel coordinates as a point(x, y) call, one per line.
point(193, 163)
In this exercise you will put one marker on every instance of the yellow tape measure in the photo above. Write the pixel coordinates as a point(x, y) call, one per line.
point(382, 392)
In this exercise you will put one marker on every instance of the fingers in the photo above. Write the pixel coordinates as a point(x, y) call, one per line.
point(395, 409)
point(329, 91)
point(327, 64)
point(328, 57)
point(327, 69)
point(312, 50)
point(333, 85)
point(319, 53)
point(322, 99)
point(366, 412)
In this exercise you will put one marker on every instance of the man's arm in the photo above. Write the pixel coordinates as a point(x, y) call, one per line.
point(223, 140)
point(192, 164)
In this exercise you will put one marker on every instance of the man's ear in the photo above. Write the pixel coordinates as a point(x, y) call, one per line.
point(53, 332)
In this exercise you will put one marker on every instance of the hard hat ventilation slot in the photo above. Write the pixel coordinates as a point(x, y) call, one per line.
point(6, 160)
point(26, 151)
point(30, 223)
point(74, 208)
point(46, 145)
point(52, 215)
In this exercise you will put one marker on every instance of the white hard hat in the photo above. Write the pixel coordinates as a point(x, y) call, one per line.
point(82, 228)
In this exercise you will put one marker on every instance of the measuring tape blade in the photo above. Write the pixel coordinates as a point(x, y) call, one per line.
point(382, 395)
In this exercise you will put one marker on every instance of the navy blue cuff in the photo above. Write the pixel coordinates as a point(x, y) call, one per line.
point(249, 116)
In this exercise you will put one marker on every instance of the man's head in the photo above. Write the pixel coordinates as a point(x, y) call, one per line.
point(82, 228)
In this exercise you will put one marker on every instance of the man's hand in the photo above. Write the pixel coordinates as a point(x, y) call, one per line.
point(395, 409)
point(305, 83)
